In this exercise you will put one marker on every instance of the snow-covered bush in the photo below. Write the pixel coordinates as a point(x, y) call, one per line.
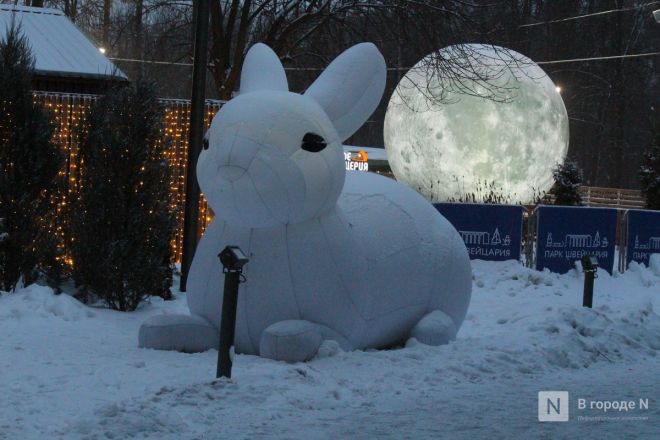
point(122, 223)
point(568, 178)
point(485, 192)
point(29, 164)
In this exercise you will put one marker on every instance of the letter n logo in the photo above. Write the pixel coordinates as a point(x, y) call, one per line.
point(553, 406)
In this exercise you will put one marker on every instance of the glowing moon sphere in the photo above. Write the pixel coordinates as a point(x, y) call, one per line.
point(449, 148)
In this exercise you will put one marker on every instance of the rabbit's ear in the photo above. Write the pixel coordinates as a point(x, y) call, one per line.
point(350, 89)
point(262, 70)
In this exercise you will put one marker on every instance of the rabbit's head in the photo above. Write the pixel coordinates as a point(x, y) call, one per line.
point(276, 157)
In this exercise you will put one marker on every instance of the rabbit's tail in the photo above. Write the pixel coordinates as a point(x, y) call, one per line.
point(436, 328)
point(185, 333)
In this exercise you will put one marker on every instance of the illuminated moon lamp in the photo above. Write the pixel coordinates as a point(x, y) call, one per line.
point(454, 146)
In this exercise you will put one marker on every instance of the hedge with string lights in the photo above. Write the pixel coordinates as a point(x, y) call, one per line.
point(29, 165)
point(121, 224)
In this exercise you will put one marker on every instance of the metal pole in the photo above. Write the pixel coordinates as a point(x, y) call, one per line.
point(228, 323)
point(588, 295)
point(190, 223)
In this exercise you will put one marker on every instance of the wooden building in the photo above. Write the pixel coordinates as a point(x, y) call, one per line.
point(66, 61)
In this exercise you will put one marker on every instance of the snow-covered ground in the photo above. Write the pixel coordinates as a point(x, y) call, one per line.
point(70, 371)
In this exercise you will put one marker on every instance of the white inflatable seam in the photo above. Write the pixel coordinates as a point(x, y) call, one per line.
point(245, 293)
point(339, 273)
point(323, 206)
point(396, 310)
point(233, 144)
point(350, 115)
point(234, 195)
point(279, 178)
point(393, 253)
point(288, 264)
point(209, 276)
point(263, 202)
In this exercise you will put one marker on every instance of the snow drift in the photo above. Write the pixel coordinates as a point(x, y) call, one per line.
point(72, 372)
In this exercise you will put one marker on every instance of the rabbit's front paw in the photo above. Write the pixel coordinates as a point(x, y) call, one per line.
point(290, 341)
point(185, 333)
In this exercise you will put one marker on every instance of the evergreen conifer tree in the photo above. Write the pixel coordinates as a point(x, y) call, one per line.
point(122, 224)
point(29, 163)
point(649, 173)
point(568, 178)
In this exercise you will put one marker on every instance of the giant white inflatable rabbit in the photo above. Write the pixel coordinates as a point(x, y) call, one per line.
point(356, 258)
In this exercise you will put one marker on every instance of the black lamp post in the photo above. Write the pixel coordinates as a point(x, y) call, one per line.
point(589, 267)
point(233, 259)
point(191, 214)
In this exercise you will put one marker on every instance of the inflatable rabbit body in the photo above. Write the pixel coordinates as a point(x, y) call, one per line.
point(357, 258)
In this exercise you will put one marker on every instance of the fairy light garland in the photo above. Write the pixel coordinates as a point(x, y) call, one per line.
point(70, 117)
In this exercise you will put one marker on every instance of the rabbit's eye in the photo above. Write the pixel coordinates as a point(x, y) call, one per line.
point(313, 142)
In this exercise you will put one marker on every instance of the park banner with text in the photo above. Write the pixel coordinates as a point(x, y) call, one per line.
point(642, 234)
point(490, 232)
point(565, 234)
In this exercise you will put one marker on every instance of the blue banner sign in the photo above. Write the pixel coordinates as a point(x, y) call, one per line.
point(567, 233)
point(490, 232)
point(643, 235)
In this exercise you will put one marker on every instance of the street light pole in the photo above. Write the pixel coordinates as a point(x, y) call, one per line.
point(233, 259)
point(191, 214)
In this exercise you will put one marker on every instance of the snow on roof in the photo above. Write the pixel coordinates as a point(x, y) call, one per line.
point(58, 46)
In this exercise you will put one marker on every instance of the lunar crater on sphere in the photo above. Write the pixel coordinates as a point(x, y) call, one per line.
point(454, 147)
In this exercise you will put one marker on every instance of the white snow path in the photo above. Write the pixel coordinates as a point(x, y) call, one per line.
point(69, 371)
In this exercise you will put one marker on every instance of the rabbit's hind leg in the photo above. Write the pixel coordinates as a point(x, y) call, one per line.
point(296, 340)
point(436, 328)
point(186, 333)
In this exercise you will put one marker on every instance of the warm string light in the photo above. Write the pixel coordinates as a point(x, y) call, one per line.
point(176, 130)
point(70, 113)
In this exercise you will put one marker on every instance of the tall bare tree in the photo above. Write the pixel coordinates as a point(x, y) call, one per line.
point(107, 8)
point(297, 27)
